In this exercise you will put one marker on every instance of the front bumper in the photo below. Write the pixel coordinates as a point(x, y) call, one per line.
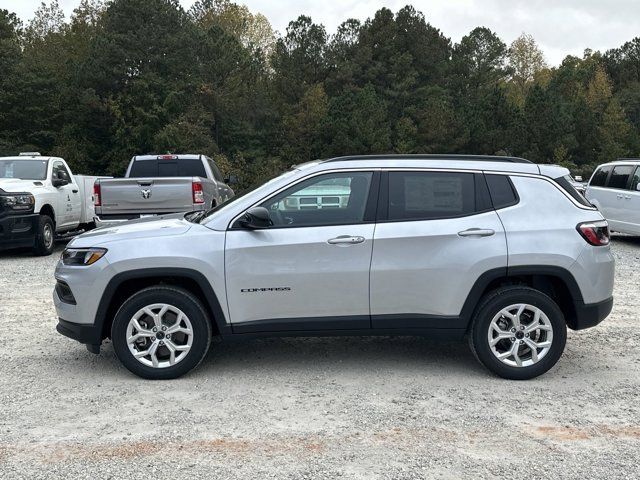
point(591, 314)
point(76, 298)
point(90, 335)
point(18, 231)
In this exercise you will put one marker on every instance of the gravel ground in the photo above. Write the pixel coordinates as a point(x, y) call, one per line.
point(366, 407)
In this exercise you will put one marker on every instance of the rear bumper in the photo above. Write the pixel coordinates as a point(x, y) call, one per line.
point(17, 231)
point(591, 314)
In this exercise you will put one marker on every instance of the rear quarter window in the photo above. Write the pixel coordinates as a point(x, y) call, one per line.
point(503, 194)
point(567, 186)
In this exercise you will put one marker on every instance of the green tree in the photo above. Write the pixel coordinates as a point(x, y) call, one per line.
point(526, 60)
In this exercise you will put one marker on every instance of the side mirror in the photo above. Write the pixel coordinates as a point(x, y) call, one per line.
point(638, 187)
point(60, 180)
point(578, 178)
point(256, 218)
point(231, 180)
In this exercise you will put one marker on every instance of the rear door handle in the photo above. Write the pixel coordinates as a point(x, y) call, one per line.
point(345, 240)
point(619, 195)
point(477, 232)
point(627, 197)
point(74, 190)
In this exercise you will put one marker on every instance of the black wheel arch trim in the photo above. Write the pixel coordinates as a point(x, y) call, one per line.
point(582, 310)
point(211, 299)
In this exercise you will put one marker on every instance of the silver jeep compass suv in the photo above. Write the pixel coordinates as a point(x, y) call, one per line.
point(498, 249)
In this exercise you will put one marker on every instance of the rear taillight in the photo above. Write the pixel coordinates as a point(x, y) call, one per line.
point(198, 194)
point(595, 233)
point(96, 194)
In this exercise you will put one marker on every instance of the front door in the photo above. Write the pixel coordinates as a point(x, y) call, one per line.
point(68, 199)
point(310, 270)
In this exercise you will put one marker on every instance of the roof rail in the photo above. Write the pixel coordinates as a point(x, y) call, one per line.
point(29, 154)
point(431, 156)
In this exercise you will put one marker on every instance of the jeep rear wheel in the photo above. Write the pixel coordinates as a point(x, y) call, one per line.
point(161, 332)
point(518, 332)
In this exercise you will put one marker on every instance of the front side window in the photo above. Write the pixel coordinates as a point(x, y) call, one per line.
point(600, 177)
point(330, 199)
point(214, 169)
point(430, 195)
point(60, 172)
point(620, 176)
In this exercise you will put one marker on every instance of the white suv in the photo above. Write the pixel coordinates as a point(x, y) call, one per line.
point(499, 249)
point(615, 189)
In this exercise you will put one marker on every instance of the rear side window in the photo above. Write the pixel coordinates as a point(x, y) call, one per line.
point(600, 177)
point(181, 167)
point(620, 176)
point(503, 194)
point(430, 195)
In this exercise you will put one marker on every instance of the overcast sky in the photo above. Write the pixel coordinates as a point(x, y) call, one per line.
point(561, 27)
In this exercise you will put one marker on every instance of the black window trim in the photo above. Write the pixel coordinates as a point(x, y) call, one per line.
point(370, 210)
point(383, 199)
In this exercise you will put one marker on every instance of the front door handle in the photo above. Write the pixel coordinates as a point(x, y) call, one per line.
point(627, 197)
point(477, 232)
point(74, 190)
point(619, 195)
point(345, 240)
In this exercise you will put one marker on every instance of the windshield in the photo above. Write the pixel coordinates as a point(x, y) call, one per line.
point(24, 169)
point(201, 217)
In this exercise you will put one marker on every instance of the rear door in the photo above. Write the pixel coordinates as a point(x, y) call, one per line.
point(437, 233)
point(599, 194)
point(617, 209)
point(310, 270)
point(631, 202)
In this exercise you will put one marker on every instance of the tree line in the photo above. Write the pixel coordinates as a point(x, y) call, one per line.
point(127, 77)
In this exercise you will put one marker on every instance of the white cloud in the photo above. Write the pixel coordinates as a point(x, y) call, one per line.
point(560, 27)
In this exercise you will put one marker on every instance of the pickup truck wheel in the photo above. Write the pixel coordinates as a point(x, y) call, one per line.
point(44, 236)
point(161, 332)
point(518, 332)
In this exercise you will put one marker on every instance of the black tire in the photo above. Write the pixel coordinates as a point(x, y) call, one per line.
point(45, 235)
point(174, 296)
point(490, 305)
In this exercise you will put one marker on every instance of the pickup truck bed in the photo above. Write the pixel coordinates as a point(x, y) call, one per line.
point(160, 184)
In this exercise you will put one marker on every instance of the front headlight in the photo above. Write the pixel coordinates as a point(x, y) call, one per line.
point(82, 256)
point(20, 201)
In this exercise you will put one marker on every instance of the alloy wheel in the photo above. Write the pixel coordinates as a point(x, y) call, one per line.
point(520, 335)
point(159, 335)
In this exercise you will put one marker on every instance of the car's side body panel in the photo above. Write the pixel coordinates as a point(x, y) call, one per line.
point(426, 268)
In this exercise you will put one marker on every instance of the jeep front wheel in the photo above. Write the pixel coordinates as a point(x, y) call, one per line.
point(161, 332)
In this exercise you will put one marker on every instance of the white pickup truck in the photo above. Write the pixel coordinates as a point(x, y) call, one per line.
point(39, 199)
